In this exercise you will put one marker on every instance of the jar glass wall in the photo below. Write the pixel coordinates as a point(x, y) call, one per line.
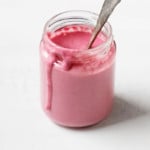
point(76, 83)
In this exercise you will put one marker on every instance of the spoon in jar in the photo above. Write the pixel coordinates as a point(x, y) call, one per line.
point(107, 9)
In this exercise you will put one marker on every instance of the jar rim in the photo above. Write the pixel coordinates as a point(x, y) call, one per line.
point(101, 46)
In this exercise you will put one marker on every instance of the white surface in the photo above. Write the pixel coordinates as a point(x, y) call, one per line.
point(23, 125)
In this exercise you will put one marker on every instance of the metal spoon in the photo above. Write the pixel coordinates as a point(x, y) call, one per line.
point(107, 9)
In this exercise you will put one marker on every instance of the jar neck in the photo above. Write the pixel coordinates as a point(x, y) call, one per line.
point(70, 18)
point(79, 17)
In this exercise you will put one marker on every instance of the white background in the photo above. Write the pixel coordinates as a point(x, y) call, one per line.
point(24, 126)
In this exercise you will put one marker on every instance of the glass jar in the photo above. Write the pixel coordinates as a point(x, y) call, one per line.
point(76, 83)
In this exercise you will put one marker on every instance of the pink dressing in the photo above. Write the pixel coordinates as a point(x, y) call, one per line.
point(75, 40)
point(85, 90)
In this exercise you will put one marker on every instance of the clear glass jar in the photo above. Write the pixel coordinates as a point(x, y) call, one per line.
point(76, 83)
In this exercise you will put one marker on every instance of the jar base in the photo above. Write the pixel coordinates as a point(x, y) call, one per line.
point(80, 124)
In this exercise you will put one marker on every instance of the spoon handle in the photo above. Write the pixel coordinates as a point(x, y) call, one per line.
point(107, 9)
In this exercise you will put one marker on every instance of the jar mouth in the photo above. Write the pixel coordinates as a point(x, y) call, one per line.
point(81, 17)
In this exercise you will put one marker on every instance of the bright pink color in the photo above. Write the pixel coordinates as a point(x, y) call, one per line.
point(75, 94)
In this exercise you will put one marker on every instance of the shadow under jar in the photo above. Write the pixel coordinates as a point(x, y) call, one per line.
point(76, 82)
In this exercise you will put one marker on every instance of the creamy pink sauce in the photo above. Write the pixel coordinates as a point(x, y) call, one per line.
point(77, 39)
point(75, 86)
